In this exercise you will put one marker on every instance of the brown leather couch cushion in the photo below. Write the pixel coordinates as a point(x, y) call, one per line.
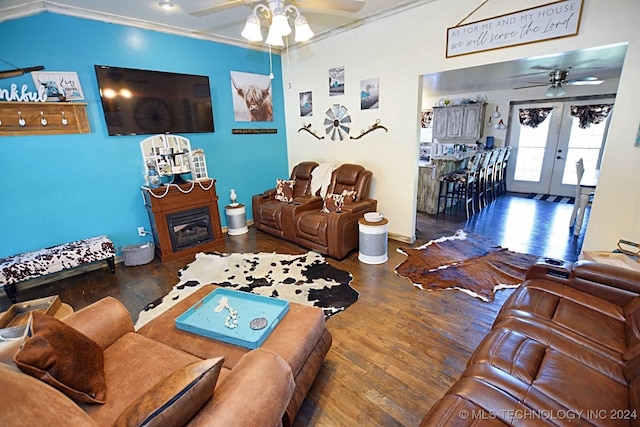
point(266, 387)
point(175, 399)
point(26, 401)
point(115, 321)
point(559, 383)
point(63, 358)
point(133, 365)
point(568, 312)
point(301, 174)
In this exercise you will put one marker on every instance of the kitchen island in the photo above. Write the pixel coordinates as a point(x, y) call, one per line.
point(429, 179)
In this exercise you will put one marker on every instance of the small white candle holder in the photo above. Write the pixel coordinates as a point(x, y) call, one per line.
point(234, 197)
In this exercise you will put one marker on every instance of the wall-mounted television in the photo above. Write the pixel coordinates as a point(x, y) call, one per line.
point(140, 102)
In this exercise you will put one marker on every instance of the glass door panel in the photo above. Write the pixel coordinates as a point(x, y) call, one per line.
point(531, 148)
point(581, 143)
point(530, 170)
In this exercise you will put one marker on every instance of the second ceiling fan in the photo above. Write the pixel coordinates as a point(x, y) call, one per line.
point(558, 78)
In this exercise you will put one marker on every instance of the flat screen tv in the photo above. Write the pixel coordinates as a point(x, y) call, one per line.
point(139, 102)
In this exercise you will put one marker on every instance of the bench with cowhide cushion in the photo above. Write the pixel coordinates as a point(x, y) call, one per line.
point(30, 265)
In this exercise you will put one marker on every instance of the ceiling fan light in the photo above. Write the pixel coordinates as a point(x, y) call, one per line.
point(303, 31)
point(280, 23)
point(166, 4)
point(252, 30)
point(554, 91)
point(274, 39)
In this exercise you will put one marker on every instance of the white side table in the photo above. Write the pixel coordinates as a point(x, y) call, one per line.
point(373, 239)
point(236, 219)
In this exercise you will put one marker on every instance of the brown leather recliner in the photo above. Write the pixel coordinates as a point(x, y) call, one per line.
point(275, 217)
point(336, 233)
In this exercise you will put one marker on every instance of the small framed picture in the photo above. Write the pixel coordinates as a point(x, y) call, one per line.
point(59, 85)
point(306, 104)
point(369, 93)
point(336, 81)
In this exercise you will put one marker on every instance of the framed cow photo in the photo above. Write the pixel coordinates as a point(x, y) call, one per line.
point(251, 93)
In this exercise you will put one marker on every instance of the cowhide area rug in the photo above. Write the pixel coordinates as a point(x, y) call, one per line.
point(305, 279)
point(466, 262)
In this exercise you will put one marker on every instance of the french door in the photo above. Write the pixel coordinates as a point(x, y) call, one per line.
point(544, 157)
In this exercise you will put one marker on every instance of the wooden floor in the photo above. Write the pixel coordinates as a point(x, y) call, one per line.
point(396, 350)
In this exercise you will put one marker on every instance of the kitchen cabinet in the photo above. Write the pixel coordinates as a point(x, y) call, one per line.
point(458, 121)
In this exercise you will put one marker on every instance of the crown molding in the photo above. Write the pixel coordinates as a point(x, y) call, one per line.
point(36, 7)
point(384, 13)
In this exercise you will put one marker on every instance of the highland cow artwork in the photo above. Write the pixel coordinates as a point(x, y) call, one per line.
point(251, 93)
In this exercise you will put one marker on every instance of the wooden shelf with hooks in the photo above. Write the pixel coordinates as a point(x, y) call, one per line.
point(43, 118)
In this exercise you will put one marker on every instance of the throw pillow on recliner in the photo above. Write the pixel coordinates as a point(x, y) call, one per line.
point(62, 357)
point(335, 202)
point(284, 190)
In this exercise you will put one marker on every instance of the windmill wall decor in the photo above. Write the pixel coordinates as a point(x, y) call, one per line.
point(337, 122)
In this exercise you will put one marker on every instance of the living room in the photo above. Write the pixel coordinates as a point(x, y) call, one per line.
point(89, 184)
point(111, 169)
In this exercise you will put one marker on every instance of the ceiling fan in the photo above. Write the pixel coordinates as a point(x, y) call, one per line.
point(558, 77)
point(350, 6)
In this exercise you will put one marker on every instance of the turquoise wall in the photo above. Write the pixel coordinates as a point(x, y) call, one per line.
point(56, 189)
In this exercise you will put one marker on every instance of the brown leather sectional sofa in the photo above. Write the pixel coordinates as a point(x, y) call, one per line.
point(261, 387)
point(304, 219)
point(564, 350)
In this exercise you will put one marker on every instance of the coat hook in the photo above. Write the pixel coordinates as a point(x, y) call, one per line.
point(21, 120)
point(42, 119)
point(64, 120)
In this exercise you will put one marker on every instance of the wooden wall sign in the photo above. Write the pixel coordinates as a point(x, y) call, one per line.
point(252, 131)
point(549, 21)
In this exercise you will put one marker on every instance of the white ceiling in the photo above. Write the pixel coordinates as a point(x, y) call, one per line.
point(601, 62)
point(226, 23)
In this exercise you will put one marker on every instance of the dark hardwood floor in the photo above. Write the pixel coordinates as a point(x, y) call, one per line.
point(396, 350)
point(515, 222)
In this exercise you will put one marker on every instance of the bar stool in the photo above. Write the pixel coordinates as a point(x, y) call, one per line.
point(482, 180)
point(489, 193)
point(497, 172)
point(503, 173)
point(459, 186)
point(480, 170)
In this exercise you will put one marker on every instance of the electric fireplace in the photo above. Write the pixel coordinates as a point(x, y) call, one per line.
point(184, 218)
point(189, 228)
